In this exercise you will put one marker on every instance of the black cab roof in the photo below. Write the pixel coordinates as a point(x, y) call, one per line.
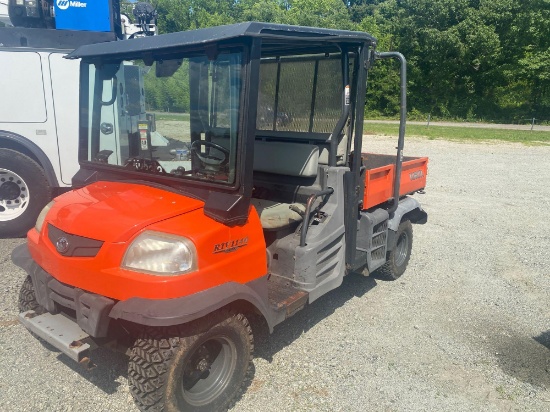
point(276, 38)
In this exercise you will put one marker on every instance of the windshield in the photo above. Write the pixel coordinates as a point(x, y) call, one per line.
point(176, 118)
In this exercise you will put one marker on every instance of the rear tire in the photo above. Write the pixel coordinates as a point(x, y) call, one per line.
point(200, 366)
point(24, 191)
point(399, 256)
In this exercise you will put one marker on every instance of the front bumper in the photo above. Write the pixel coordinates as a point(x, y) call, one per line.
point(90, 310)
point(59, 331)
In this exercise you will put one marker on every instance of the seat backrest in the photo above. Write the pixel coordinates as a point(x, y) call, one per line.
point(284, 158)
point(340, 153)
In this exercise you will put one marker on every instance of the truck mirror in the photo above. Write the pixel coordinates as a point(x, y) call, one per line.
point(107, 71)
point(166, 68)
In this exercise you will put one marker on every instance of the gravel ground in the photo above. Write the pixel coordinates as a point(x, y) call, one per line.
point(467, 328)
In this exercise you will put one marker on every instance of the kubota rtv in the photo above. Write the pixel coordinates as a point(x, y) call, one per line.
point(256, 201)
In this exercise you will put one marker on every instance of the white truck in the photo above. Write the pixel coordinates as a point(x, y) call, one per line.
point(38, 122)
point(39, 116)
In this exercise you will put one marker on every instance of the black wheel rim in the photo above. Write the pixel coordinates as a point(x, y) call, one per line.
point(208, 371)
point(402, 249)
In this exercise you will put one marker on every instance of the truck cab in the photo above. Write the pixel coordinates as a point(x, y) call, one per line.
point(251, 198)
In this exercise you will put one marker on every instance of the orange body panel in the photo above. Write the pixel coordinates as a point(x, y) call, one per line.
point(118, 212)
point(379, 181)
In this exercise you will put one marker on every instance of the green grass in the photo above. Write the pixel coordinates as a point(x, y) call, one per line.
point(461, 133)
point(170, 116)
point(432, 132)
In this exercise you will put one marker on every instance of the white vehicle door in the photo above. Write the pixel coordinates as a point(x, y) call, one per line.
point(65, 92)
point(23, 96)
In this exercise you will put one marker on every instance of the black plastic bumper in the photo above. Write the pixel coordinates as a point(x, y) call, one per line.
point(92, 311)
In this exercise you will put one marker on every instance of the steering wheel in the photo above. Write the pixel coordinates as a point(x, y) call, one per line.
point(144, 165)
point(211, 163)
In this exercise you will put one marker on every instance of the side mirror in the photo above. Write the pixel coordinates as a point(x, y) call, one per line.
point(166, 68)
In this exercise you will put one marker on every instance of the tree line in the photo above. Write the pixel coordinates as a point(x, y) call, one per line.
point(467, 59)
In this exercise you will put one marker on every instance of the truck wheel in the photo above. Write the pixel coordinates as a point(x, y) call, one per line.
point(199, 366)
point(24, 191)
point(27, 298)
point(399, 256)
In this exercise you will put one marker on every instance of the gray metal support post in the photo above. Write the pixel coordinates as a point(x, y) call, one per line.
point(402, 121)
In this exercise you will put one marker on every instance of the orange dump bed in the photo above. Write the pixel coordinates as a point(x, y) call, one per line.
point(380, 175)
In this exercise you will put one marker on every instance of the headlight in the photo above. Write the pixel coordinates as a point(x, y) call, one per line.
point(161, 254)
point(42, 216)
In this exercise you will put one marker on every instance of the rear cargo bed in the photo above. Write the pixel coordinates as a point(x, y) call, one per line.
point(380, 176)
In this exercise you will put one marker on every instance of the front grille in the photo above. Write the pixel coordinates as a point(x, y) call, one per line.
point(63, 294)
point(71, 245)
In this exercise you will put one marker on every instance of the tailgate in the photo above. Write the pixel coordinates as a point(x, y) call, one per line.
point(380, 178)
point(413, 175)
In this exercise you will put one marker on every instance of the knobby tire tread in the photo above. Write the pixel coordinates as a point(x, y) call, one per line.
point(389, 271)
point(27, 298)
point(153, 350)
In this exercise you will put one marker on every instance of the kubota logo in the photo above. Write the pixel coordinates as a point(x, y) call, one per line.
point(65, 4)
point(62, 244)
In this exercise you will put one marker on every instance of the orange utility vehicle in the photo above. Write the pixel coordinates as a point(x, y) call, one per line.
point(251, 198)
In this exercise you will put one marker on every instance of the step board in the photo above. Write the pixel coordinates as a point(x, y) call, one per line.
point(283, 296)
point(379, 245)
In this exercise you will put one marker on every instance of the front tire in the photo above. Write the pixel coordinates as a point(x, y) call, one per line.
point(200, 366)
point(27, 298)
point(399, 256)
point(24, 191)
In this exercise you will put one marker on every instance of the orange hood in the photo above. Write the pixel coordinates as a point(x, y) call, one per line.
point(113, 212)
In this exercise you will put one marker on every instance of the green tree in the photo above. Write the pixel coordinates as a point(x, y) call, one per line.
point(467, 58)
point(318, 13)
point(269, 11)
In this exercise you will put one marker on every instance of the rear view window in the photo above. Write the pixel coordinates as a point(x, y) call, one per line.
point(300, 94)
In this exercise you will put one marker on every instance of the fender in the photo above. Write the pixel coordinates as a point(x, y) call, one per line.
point(35, 150)
point(21, 257)
point(410, 206)
point(169, 312)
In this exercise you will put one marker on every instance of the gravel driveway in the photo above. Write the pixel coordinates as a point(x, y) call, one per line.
point(467, 328)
